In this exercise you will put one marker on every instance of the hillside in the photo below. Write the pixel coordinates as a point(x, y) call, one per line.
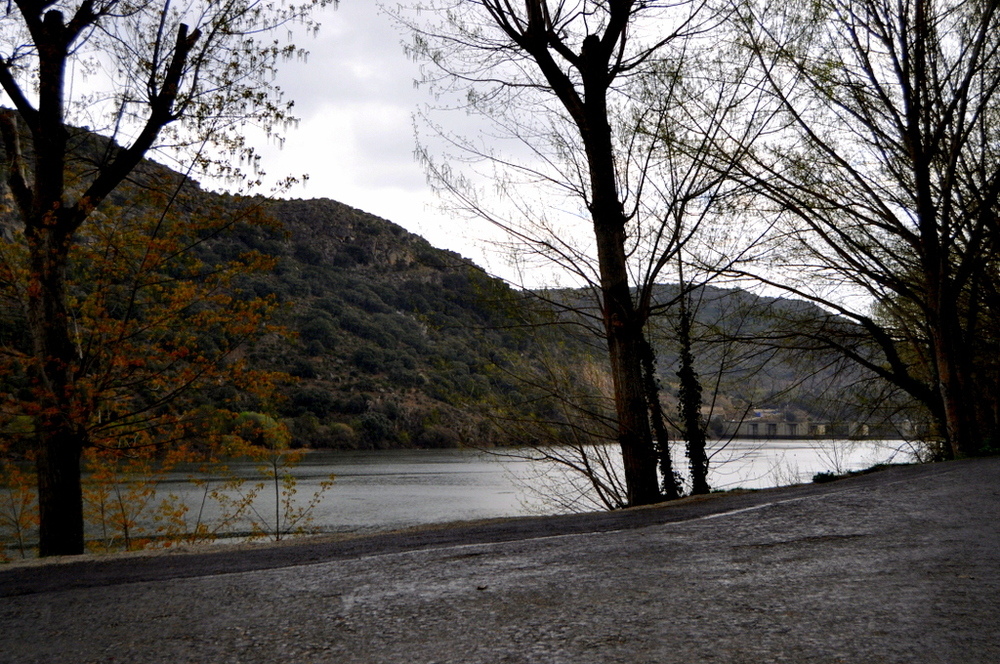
point(397, 343)
point(393, 335)
point(390, 337)
point(401, 344)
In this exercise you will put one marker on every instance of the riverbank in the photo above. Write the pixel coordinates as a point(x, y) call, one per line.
point(397, 489)
point(897, 566)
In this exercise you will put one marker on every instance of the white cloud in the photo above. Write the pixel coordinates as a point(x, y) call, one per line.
point(355, 98)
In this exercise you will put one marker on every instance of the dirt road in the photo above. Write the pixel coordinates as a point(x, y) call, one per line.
point(898, 566)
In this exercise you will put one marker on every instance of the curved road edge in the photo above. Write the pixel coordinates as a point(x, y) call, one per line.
point(51, 575)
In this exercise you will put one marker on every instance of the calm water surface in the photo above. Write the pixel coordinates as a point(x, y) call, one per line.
point(378, 490)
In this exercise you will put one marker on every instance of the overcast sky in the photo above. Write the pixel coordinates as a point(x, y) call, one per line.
point(355, 97)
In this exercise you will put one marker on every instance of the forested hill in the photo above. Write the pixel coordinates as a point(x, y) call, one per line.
point(391, 338)
point(396, 343)
point(399, 342)
point(394, 337)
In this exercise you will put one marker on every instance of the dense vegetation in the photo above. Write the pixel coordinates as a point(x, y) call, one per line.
point(400, 344)
point(391, 333)
point(395, 343)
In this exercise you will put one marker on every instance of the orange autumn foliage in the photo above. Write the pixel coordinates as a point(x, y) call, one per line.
point(161, 329)
point(18, 510)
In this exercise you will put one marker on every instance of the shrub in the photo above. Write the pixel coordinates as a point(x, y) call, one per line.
point(319, 329)
point(436, 436)
point(342, 435)
point(308, 254)
point(352, 405)
point(368, 360)
point(375, 427)
point(313, 400)
point(405, 378)
point(302, 368)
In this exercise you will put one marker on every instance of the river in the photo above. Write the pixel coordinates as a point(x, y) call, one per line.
point(392, 489)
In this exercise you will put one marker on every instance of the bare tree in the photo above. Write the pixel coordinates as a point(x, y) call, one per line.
point(564, 421)
point(158, 75)
point(590, 96)
point(562, 414)
point(884, 173)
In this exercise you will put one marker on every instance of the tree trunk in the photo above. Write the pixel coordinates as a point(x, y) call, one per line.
point(669, 480)
point(690, 406)
point(60, 433)
point(622, 324)
point(625, 341)
point(60, 498)
point(959, 407)
point(937, 243)
point(586, 101)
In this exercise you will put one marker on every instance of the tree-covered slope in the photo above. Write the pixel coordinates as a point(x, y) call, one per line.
point(391, 336)
point(396, 343)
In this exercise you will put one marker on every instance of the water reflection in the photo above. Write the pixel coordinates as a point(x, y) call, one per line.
point(755, 464)
point(391, 489)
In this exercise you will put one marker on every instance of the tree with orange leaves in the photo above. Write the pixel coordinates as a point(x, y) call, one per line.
point(158, 76)
point(159, 330)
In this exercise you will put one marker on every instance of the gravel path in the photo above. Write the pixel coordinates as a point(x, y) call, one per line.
point(897, 566)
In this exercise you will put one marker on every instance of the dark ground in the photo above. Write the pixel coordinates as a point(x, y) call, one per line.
point(897, 566)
